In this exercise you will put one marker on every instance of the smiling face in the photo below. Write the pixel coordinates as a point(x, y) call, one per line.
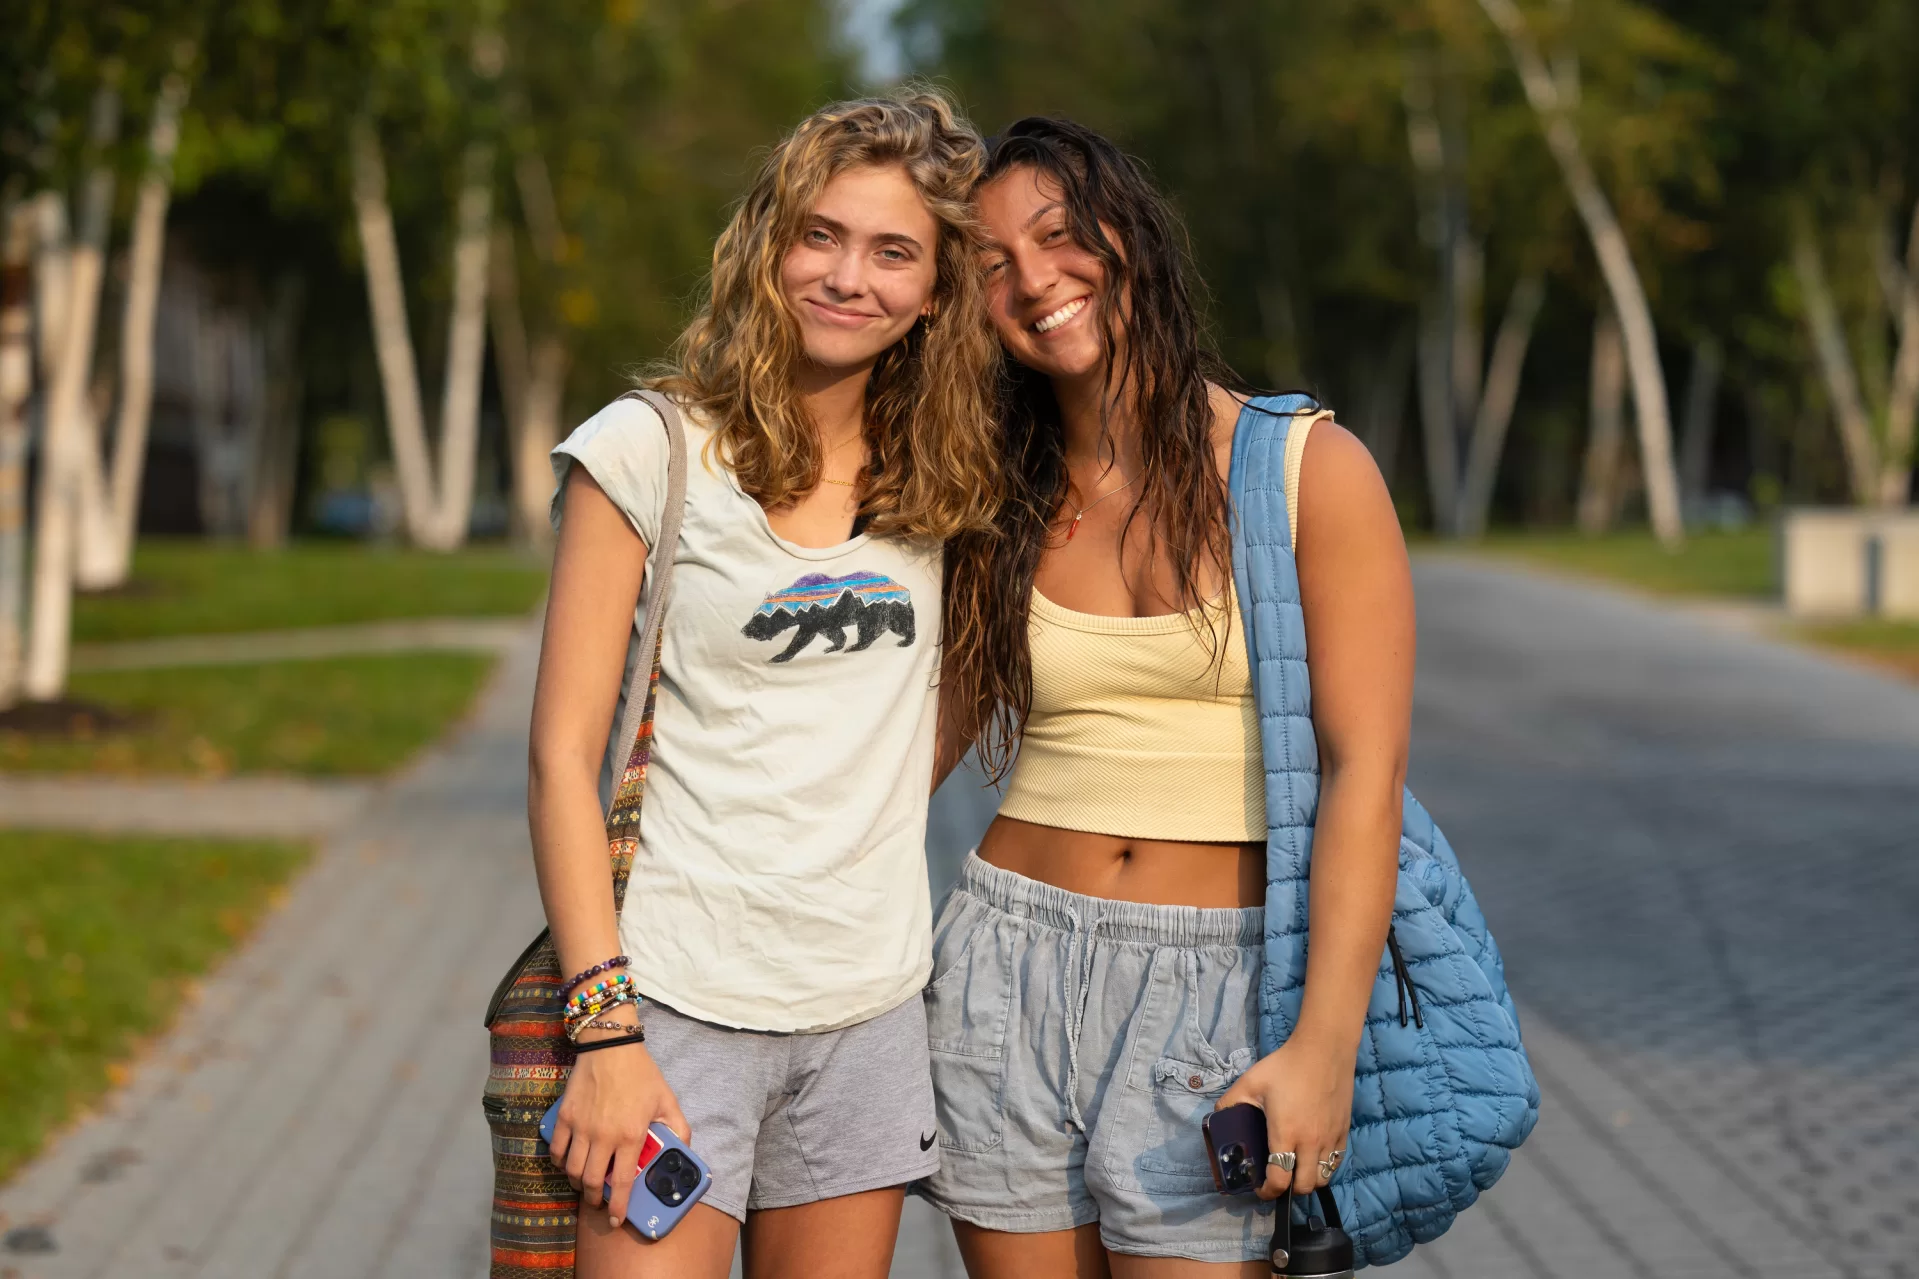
point(1043, 289)
point(864, 267)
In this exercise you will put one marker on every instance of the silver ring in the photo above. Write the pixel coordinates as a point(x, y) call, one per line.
point(1284, 1160)
point(1330, 1165)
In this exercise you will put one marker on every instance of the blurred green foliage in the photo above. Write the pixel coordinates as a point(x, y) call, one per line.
point(631, 125)
point(1282, 128)
point(622, 129)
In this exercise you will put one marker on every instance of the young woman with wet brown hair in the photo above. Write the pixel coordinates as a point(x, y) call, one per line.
point(1097, 971)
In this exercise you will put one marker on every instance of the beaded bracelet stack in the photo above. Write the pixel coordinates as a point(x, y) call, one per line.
point(585, 1006)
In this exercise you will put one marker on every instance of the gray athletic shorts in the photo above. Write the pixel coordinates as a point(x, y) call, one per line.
point(1077, 1043)
point(793, 1119)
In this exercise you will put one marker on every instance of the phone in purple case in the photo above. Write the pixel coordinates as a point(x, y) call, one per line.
point(671, 1179)
point(1236, 1147)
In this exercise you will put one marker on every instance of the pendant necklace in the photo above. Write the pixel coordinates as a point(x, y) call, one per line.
point(1079, 512)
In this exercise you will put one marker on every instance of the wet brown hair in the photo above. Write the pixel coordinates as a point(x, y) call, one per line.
point(1159, 372)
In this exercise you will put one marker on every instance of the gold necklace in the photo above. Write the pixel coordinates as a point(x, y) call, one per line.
point(845, 484)
point(1079, 512)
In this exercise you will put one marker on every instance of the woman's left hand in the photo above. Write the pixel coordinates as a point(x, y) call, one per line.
point(1306, 1090)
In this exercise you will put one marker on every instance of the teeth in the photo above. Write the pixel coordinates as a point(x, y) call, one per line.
point(1061, 316)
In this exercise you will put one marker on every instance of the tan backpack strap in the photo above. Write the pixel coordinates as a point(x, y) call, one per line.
point(623, 812)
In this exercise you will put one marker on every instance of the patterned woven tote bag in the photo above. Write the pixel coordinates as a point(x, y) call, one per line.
point(535, 1209)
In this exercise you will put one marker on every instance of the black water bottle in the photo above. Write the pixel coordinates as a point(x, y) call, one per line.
point(1317, 1249)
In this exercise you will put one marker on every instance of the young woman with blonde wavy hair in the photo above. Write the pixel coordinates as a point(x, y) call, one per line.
point(834, 390)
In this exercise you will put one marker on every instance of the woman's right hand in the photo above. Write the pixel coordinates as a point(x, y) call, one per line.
point(612, 1097)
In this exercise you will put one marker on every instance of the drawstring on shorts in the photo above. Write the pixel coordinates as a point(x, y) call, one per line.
point(1077, 980)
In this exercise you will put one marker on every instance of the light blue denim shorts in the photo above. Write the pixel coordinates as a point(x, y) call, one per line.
point(1076, 1045)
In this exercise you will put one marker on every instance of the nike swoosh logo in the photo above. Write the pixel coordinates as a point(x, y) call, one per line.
point(926, 1142)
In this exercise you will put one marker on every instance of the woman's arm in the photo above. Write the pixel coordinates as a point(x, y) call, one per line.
point(598, 568)
point(1356, 590)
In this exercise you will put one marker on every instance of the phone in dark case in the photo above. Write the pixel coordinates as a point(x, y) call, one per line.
point(671, 1179)
point(1236, 1148)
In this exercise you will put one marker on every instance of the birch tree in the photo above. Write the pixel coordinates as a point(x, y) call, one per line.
point(16, 384)
point(1459, 400)
point(436, 494)
point(1551, 100)
point(68, 412)
point(109, 492)
point(532, 370)
point(1876, 432)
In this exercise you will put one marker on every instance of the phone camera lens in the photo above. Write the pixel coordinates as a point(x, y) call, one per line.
point(1235, 1167)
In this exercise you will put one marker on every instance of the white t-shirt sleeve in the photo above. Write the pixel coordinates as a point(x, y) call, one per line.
point(623, 447)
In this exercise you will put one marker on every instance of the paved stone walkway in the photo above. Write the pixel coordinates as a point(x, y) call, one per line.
point(1694, 846)
point(231, 807)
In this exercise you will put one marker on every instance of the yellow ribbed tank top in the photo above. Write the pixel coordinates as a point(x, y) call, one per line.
point(1136, 729)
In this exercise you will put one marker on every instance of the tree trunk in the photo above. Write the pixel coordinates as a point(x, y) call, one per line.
point(1494, 412)
point(68, 424)
point(393, 344)
point(436, 514)
point(106, 545)
point(1902, 403)
point(1436, 412)
point(52, 280)
point(532, 388)
point(539, 433)
point(16, 383)
point(1599, 479)
point(1615, 264)
point(1695, 437)
point(466, 352)
point(1835, 366)
point(277, 460)
point(1426, 144)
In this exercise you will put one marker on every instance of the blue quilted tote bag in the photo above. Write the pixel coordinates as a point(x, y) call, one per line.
point(1443, 1092)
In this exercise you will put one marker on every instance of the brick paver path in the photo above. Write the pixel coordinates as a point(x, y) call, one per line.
point(1693, 845)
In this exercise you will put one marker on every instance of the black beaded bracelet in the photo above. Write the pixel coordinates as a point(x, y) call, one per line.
point(612, 1041)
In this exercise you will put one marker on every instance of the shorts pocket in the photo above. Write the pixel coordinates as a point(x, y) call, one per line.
point(1192, 1038)
point(968, 1005)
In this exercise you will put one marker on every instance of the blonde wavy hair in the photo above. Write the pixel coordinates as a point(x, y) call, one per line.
point(930, 417)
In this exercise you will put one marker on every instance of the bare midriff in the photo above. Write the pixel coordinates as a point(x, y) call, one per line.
point(1160, 872)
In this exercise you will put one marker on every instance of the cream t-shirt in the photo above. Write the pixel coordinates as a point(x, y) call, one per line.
point(780, 882)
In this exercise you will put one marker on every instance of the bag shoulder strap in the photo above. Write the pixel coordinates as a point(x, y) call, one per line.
point(623, 810)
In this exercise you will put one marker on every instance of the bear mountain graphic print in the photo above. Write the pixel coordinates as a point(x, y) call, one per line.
point(818, 605)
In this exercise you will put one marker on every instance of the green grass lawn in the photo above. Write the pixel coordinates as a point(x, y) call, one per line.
point(345, 715)
point(100, 938)
point(1882, 642)
point(1716, 564)
point(183, 587)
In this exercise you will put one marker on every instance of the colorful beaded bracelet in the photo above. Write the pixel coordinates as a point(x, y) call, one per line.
point(618, 961)
point(612, 999)
point(599, 990)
